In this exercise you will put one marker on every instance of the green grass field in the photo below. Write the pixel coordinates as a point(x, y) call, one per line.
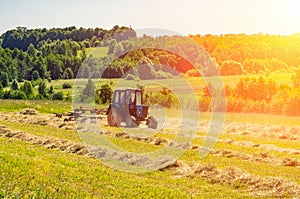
point(97, 52)
point(33, 171)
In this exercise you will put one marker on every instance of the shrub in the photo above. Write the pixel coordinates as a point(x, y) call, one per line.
point(256, 89)
point(16, 94)
point(58, 96)
point(27, 88)
point(292, 107)
point(296, 78)
point(35, 75)
point(51, 90)
point(42, 88)
point(66, 86)
point(68, 97)
point(68, 74)
point(105, 93)
point(231, 67)
point(88, 93)
point(14, 85)
point(1, 91)
point(4, 79)
point(165, 97)
point(279, 100)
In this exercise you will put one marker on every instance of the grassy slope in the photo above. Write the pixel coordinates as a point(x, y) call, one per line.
point(36, 171)
point(33, 171)
point(196, 83)
point(27, 170)
point(96, 52)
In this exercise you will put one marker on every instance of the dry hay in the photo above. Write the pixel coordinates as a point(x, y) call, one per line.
point(46, 141)
point(79, 149)
point(263, 130)
point(143, 161)
point(66, 121)
point(257, 157)
point(29, 111)
point(270, 147)
point(259, 186)
point(31, 116)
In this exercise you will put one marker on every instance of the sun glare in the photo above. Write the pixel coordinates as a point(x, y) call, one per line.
point(294, 9)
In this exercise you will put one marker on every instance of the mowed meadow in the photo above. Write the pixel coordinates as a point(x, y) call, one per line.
point(256, 156)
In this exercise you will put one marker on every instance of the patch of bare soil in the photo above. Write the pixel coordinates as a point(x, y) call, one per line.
point(259, 186)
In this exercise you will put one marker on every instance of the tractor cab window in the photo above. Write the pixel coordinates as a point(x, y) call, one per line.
point(122, 96)
point(130, 97)
point(116, 97)
point(138, 98)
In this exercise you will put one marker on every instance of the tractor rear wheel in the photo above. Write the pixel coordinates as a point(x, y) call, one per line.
point(113, 118)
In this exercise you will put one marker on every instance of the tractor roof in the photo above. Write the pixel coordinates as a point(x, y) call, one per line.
point(131, 89)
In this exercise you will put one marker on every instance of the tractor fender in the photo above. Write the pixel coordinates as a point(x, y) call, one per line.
point(108, 109)
point(115, 106)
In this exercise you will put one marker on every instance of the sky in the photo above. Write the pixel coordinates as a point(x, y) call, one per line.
point(182, 16)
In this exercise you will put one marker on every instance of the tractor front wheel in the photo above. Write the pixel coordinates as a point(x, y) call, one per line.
point(152, 123)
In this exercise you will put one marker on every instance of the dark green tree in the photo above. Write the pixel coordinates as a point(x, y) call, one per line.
point(54, 66)
point(35, 75)
point(84, 71)
point(58, 96)
point(1, 91)
point(105, 93)
point(42, 88)
point(14, 85)
point(17, 94)
point(68, 74)
point(31, 51)
point(296, 78)
point(89, 89)
point(4, 79)
point(27, 89)
point(51, 90)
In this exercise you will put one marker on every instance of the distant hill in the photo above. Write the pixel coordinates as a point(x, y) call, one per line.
point(59, 53)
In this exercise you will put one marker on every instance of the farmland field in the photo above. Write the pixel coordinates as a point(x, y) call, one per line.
point(257, 156)
point(46, 155)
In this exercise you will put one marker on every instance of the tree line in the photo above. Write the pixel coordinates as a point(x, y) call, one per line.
point(50, 54)
point(238, 54)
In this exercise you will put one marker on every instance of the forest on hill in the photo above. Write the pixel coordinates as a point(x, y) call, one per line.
point(58, 53)
point(35, 55)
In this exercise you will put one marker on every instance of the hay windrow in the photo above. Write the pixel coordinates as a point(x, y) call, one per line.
point(257, 185)
point(46, 141)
